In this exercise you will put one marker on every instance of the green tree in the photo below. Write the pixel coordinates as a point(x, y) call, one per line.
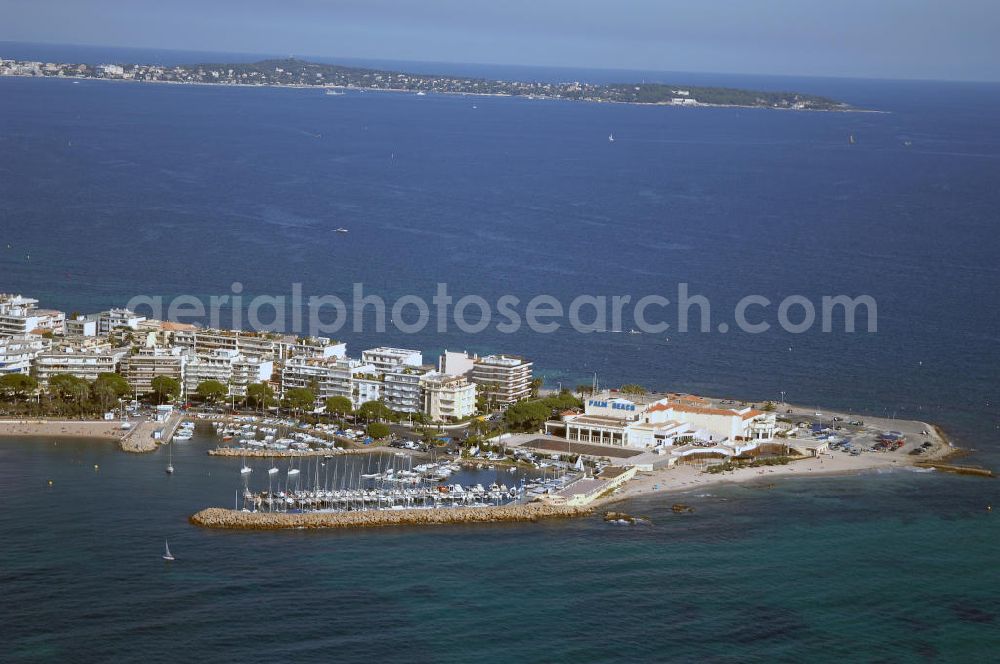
point(339, 406)
point(17, 385)
point(478, 427)
point(212, 391)
point(530, 415)
point(536, 386)
point(373, 411)
point(116, 382)
point(565, 400)
point(260, 395)
point(585, 390)
point(377, 429)
point(429, 436)
point(632, 388)
point(527, 415)
point(103, 394)
point(165, 388)
point(69, 387)
point(768, 407)
point(300, 399)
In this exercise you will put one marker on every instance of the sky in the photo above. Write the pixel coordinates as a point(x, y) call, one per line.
point(924, 39)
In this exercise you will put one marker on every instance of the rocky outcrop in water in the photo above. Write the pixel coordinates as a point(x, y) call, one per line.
point(622, 517)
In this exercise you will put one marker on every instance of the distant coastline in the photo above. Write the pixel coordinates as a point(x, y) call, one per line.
point(292, 73)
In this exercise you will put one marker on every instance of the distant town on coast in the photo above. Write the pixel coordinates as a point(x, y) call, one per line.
point(291, 72)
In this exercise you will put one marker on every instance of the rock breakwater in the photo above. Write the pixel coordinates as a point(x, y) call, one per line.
point(215, 517)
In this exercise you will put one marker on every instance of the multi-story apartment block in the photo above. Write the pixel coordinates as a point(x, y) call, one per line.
point(18, 353)
point(81, 326)
point(447, 398)
point(401, 390)
point(228, 367)
point(502, 379)
point(385, 358)
point(142, 366)
point(259, 344)
point(20, 316)
point(117, 318)
point(331, 377)
point(84, 361)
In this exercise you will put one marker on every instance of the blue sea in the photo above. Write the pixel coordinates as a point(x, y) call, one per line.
point(110, 190)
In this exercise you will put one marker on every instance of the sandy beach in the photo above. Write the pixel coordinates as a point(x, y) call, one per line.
point(683, 478)
point(62, 428)
point(137, 439)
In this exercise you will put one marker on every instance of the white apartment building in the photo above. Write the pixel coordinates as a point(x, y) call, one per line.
point(456, 364)
point(145, 364)
point(259, 344)
point(385, 358)
point(17, 353)
point(502, 379)
point(332, 376)
point(447, 398)
point(401, 389)
point(319, 347)
point(212, 365)
point(20, 316)
point(116, 318)
point(366, 385)
point(248, 370)
point(83, 361)
point(228, 367)
point(81, 326)
point(205, 341)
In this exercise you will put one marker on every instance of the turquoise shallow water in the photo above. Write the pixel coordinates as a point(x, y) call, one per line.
point(896, 567)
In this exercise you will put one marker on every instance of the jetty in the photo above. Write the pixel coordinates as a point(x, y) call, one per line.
point(140, 438)
point(958, 470)
point(215, 517)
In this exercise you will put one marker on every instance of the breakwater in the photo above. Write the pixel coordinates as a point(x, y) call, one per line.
point(216, 517)
point(960, 470)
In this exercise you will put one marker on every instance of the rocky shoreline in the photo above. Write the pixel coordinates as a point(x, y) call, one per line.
point(216, 517)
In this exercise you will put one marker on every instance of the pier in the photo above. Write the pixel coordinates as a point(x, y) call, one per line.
point(140, 439)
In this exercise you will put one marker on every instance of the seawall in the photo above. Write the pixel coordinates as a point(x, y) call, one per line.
point(216, 517)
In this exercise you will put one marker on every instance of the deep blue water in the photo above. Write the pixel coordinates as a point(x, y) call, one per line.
point(116, 190)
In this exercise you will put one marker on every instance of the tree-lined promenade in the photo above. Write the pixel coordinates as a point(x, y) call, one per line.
point(68, 396)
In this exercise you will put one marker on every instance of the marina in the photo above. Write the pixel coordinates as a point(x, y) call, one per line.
point(386, 482)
